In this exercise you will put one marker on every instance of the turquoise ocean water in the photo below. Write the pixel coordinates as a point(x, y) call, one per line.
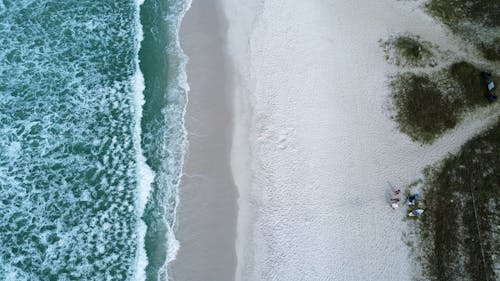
point(92, 98)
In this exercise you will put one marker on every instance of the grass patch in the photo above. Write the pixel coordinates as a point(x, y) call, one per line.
point(474, 20)
point(491, 50)
point(409, 50)
point(422, 110)
point(459, 231)
point(427, 105)
point(473, 87)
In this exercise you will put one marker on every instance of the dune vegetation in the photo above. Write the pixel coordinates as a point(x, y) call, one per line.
point(459, 237)
point(477, 21)
point(427, 105)
point(409, 50)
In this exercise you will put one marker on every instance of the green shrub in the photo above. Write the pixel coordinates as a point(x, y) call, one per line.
point(409, 50)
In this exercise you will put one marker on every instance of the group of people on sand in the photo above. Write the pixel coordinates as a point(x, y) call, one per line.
point(395, 199)
point(411, 200)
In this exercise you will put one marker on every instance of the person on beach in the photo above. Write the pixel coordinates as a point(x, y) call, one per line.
point(412, 199)
point(395, 200)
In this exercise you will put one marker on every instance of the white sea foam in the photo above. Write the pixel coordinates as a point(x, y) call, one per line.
point(61, 122)
point(177, 88)
point(182, 85)
point(145, 175)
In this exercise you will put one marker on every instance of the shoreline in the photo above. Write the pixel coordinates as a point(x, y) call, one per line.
point(206, 214)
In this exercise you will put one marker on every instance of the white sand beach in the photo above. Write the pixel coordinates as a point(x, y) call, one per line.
point(314, 152)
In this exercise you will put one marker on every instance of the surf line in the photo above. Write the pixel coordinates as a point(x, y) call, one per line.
point(144, 173)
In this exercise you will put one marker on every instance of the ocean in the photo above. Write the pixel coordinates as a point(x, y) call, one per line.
point(92, 138)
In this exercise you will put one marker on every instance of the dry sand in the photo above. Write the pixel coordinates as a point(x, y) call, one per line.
point(315, 152)
point(206, 223)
